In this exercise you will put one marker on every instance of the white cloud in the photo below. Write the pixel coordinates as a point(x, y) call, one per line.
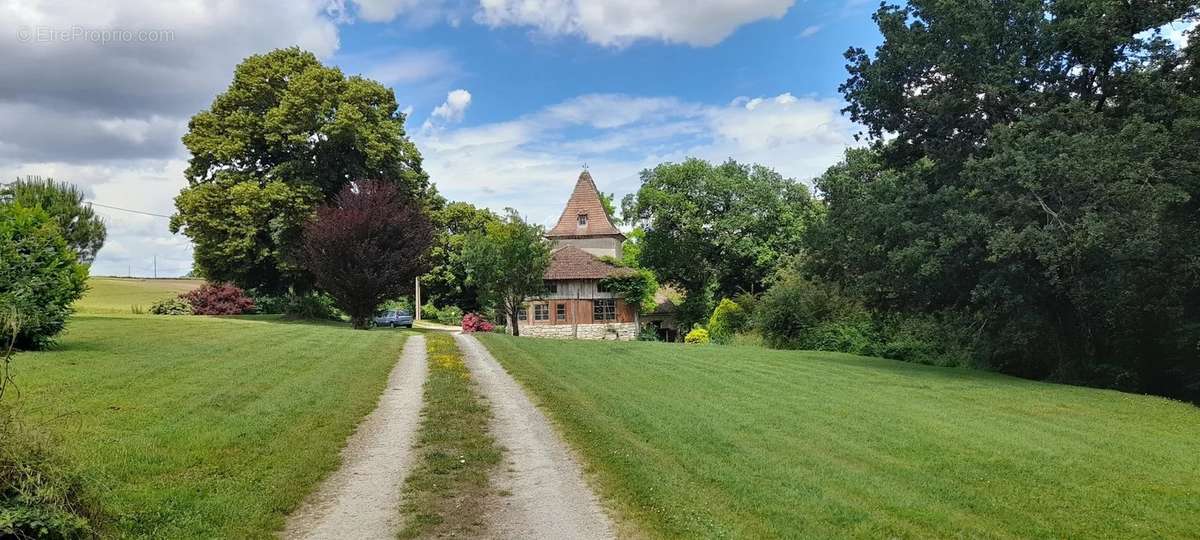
point(455, 106)
point(406, 67)
point(620, 22)
point(418, 13)
point(108, 115)
point(531, 162)
point(810, 31)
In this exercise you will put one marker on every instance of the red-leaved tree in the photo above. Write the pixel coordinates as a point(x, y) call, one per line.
point(366, 247)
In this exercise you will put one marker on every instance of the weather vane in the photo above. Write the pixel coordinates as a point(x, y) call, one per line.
point(585, 166)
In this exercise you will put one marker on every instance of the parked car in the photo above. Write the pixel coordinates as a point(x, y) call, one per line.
point(394, 318)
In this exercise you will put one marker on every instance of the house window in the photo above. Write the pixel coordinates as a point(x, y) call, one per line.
point(583, 220)
point(541, 312)
point(551, 287)
point(560, 312)
point(604, 309)
point(522, 313)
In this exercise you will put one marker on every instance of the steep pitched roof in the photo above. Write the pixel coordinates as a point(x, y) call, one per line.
point(570, 262)
point(584, 200)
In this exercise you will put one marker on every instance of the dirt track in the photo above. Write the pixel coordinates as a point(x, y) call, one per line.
point(362, 498)
point(549, 497)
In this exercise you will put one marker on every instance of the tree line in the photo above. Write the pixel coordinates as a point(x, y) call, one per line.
point(1028, 200)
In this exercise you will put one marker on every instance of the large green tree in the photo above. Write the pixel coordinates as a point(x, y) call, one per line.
point(83, 230)
point(507, 264)
point(446, 283)
point(287, 130)
point(1035, 173)
point(716, 229)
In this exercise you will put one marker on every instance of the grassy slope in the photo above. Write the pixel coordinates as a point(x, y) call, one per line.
point(119, 295)
point(200, 427)
point(745, 442)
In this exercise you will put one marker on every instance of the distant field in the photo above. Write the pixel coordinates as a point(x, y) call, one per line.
point(203, 427)
point(741, 442)
point(119, 295)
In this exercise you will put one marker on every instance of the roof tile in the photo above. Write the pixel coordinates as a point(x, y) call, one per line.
point(585, 200)
point(570, 262)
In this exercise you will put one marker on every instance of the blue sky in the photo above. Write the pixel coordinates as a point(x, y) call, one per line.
point(507, 98)
point(516, 70)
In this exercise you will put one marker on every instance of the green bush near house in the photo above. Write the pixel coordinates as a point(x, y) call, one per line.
point(727, 320)
point(697, 336)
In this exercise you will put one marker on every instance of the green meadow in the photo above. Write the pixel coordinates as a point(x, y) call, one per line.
point(122, 295)
point(200, 427)
point(744, 442)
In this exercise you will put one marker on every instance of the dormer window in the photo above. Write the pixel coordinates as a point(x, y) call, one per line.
point(583, 220)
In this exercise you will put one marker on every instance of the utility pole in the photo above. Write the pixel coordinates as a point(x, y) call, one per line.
point(417, 298)
point(156, 267)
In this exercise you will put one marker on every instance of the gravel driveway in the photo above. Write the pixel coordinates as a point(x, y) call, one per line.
point(549, 497)
point(362, 498)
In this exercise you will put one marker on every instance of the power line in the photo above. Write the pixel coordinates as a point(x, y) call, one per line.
point(152, 214)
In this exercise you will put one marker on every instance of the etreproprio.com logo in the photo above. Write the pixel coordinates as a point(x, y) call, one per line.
point(48, 34)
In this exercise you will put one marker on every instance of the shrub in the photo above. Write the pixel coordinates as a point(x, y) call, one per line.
point(794, 308)
point(219, 299)
point(697, 335)
point(268, 304)
point(171, 306)
point(313, 306)
point(924, 339)
point(647, 333)
point(40, 275)
point(851, 335)
point(473, 322)
point(727, 320)
point(40, 495)
point(430, 312)
point(450, 315)
point(749, 305)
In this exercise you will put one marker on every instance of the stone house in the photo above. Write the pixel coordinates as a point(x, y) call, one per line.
point(575, 306)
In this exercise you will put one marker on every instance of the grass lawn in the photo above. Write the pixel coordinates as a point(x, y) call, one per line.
point(119, 295)
point(203, 427)
point(714, 441)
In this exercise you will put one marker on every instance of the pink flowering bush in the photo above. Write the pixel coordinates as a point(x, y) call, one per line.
point(219, 299)
point(473, 322)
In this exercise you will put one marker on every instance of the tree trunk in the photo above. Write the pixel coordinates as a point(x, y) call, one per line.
point(360, 323)
point(512, 315)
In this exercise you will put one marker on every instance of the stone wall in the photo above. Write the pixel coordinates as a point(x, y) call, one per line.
point(615, 331)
